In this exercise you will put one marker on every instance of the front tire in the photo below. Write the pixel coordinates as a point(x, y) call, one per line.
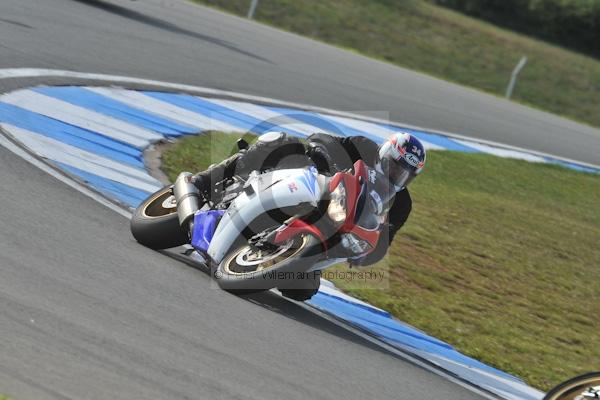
point(575, 387)
point(304, 289)
point(155, 223)
point(244, 269)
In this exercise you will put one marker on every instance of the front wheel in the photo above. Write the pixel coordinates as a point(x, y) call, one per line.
point(155, 223)
point(303, 289)
point(586, 386)
point(250, 269)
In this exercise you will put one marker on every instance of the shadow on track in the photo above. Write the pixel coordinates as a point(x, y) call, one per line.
point(164, 25)
point(287, 308)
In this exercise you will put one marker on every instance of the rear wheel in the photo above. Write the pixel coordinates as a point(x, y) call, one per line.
point(155, 223)
point(249, 268)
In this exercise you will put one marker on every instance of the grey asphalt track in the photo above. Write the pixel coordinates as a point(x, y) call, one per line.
point(85, 312)
point(176, 41)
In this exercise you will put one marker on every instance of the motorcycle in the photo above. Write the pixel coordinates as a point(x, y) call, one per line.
point(276, 228)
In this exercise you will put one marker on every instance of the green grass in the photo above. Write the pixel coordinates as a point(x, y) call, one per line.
point(196, 153)
point(500, 258)
point(444, 43)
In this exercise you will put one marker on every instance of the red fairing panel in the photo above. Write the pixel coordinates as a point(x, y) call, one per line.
point(297, 227)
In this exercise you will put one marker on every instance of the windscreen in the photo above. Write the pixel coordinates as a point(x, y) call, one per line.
point(374, 201)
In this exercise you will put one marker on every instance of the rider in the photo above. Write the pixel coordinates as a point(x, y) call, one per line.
point(401, 158)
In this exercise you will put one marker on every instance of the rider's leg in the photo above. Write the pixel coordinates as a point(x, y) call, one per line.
point(206, 180)
point(272, 150)
point(269, 151)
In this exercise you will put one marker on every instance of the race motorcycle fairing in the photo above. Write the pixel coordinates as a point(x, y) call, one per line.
point(273, 228)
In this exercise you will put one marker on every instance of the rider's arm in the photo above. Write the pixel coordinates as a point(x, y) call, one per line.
point(399, 211)
point(335, 153)
point(360, 148)
point(327, 152)
point(397, 216)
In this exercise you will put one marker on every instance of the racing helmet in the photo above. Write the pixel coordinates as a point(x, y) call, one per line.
point(401, 158)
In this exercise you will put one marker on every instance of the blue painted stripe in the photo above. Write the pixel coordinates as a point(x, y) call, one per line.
point(439, 140)
point(219, 113)
point(73, 135)
point(577, 167)
point(96, 102)
point(115, 190)
point(345, 130)
point(320, 122)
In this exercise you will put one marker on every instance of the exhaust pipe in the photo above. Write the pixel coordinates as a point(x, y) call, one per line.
point(187, 197)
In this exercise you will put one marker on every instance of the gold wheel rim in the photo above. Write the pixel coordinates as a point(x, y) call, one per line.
point(271, 263)
point(575, 390)
point(154, 207)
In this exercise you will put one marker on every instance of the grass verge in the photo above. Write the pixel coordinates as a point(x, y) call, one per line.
point(500, 258)
point(432, 39)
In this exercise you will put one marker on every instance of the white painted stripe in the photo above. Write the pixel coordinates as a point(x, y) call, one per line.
point(264, 114)
point(58, 151)
point(516, 385)
point(12, 73)
point(506, 153)
point(285, 121)
point(363, 126)
point(81, 117)
point(163, 109)
point(375, 129)
point(64, 179)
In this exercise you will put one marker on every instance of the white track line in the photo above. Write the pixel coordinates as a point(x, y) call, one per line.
point(506, 153)
point(12, 73)
point(375, 129)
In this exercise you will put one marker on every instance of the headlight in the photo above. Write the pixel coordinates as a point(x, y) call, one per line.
point(337, 204)
point(354, 244)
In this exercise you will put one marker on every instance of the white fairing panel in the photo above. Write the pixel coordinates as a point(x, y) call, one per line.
point(273, 190)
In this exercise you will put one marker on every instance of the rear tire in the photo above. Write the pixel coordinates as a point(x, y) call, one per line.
point(155, 223)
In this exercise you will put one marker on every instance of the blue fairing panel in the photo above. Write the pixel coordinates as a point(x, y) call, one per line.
point(205, 223)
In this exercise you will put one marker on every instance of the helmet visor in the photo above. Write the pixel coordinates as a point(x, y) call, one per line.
point(399, 173)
